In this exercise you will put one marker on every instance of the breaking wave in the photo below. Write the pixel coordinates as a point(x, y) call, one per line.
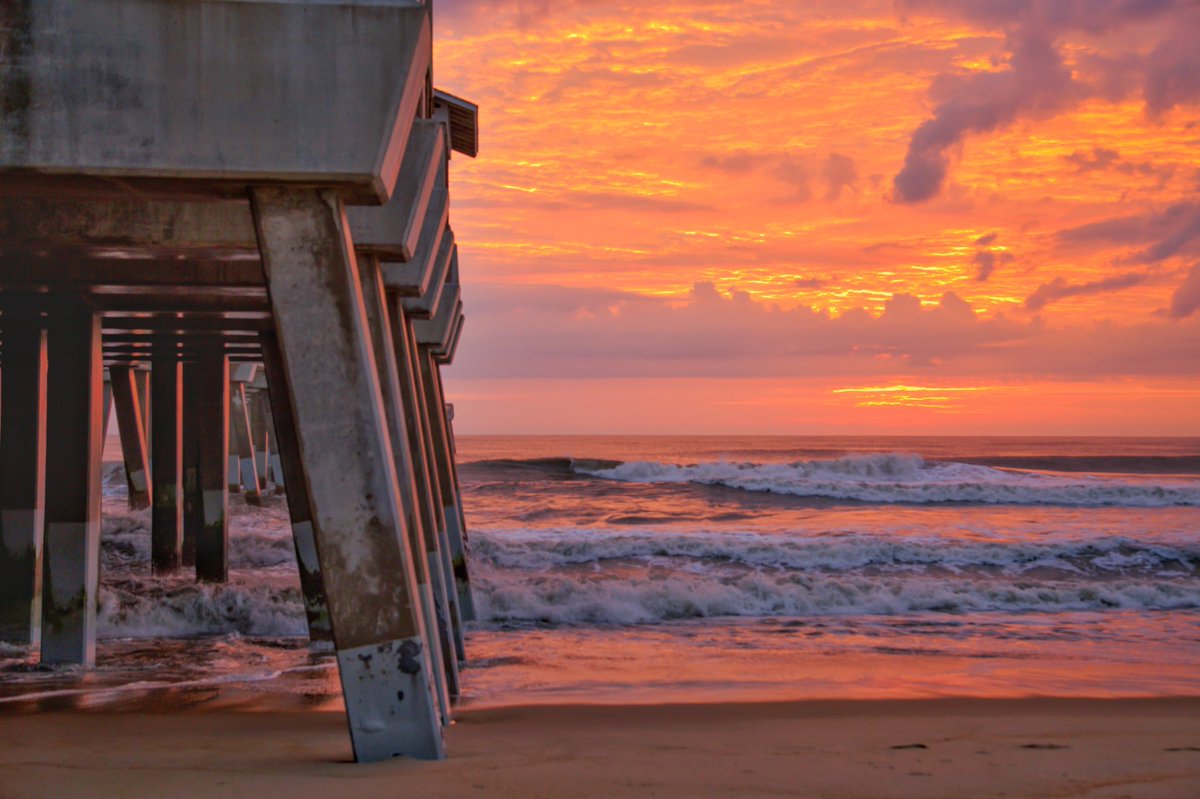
point(904, 478)
point(560, 577)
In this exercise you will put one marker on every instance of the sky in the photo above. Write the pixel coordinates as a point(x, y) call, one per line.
point(921, 216)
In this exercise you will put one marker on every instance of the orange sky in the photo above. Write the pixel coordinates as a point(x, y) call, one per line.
point(757, 217)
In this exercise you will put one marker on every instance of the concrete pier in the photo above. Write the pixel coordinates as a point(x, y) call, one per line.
point(192, 203)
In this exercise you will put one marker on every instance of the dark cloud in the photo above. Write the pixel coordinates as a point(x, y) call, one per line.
point(986, 239)
point(809, 282)
point(738, 163)
point(1059, 289)
point(987, 261)
point(797, 175)
point(1175, 230)
point(1103, 159)
point(837, 172)
point(1186, 299)
point(1173, 70)
point(1035, 81)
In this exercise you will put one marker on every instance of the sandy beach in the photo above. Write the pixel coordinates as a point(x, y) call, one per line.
point(921, 748)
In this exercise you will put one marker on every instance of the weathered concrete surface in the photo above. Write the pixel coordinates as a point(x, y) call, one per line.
point(392, 231)
point(261, 436)
point(71, 555)
point(193, 90)
point(312, 585)
point(434, 477)
point(443, 659)
point(448, 481)
point(193, 500)
point(439, 328)
point(242, 436)
point(429, 506)
point(166, 515)
point(212, 436)
point(423, 307)
point(358, 521)
point(411, 279)
point(22, 472)
point(132, 430)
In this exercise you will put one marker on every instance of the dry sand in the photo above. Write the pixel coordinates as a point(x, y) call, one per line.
point(957, 748)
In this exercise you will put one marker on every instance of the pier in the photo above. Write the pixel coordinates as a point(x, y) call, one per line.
point(230, 221)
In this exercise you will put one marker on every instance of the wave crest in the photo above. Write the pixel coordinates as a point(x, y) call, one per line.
point(907, 478)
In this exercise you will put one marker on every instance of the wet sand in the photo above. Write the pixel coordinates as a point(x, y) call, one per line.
point(920, 748)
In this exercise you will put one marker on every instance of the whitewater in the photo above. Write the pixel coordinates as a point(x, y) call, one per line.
point(610, 568)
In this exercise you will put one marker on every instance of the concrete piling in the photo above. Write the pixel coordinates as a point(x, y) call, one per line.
point(127, 399)
point(212, 483)
point(437, 627)
point(207, 227)
point(428, 505)
point(166, 517)
point(193, 498)
point(312, 584)
point(243, 437)
point(71, 550)
point(344, 446)
point(22, 472)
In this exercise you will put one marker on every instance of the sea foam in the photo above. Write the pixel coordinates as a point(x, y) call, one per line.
point(895, 478)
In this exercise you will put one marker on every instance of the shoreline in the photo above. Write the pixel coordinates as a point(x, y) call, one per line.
point(247, 744)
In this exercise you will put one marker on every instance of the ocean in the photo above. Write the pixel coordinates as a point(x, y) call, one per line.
point(628, 569)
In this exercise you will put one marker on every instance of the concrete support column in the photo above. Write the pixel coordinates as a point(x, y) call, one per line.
point(71, 558)
point(166, 389)
point(255, 408)
point(212, 435)
point(349, 469)
point(438, 628)
point(141, 378)
point(193, 501)
point(428, 505)
point(312, 585)
point(106, 410)
point(456, 530)
point(133, 435)
point(443, 464)
point(233, 466)
point(243, 436)
point(22, 475)
point(438, 511)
